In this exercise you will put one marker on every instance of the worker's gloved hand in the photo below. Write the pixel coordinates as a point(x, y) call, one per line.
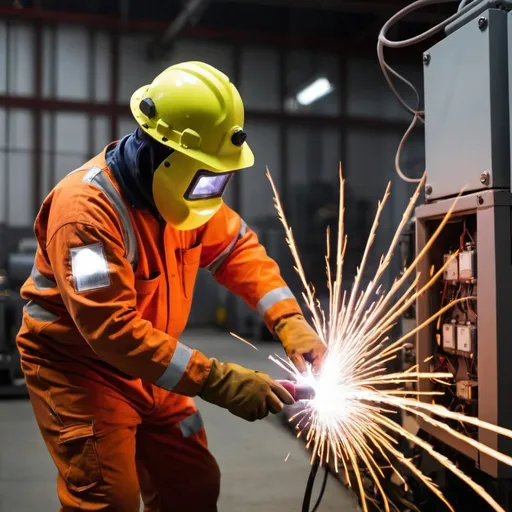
point(248, 394)
point(300, 342)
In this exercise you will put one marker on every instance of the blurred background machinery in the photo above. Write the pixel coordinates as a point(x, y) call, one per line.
point(16, 259)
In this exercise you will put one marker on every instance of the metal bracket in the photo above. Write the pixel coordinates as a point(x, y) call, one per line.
point(478, 8)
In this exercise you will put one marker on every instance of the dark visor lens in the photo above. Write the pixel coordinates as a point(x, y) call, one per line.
point(208, 185)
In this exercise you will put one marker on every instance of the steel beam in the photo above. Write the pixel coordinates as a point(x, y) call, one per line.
point(104, 22)
point(102, 108)
point(37, 155)
point(91, 87)
point(113, 109)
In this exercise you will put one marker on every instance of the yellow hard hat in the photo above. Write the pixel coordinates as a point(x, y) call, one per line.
point(195, 110)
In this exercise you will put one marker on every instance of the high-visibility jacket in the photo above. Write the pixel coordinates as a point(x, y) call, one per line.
point(111, 284)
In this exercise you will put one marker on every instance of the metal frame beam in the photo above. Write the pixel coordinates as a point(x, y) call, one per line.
point(113, 111)
point(120, 110)
point(38, 119)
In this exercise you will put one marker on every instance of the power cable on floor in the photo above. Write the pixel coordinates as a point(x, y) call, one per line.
point(306, 503)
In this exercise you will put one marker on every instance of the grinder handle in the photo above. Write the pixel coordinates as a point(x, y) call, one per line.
point(298, 391)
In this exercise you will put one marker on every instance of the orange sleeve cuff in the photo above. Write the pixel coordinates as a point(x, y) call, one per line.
point(286, 307)
point(195, 375)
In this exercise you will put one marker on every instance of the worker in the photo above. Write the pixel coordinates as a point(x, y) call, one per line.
point(120, 242)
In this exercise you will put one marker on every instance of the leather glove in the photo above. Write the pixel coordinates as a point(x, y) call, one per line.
point(300, 342)
point(248, 394)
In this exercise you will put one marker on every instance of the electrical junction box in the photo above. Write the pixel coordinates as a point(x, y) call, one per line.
point(467, 141)
point(466, 337)
point(451, 272)
point(467, 268)
point(449, 337)
point(464, 389)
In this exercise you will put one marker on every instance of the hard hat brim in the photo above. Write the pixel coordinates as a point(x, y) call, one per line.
point(239, 160)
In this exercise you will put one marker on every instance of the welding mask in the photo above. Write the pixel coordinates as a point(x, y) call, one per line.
point(187, 193)
point(194, 110)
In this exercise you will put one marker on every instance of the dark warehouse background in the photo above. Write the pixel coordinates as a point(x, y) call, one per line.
point(69, 69)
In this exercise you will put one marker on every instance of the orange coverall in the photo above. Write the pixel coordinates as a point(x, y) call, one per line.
point(108, 379)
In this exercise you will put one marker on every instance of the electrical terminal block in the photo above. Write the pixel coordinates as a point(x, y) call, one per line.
point(450, 337)
point(467, 265)
point(466, 389)
point(466, 338)
point(451, 272)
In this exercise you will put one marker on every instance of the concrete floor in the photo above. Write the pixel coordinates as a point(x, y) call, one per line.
point(255, 475)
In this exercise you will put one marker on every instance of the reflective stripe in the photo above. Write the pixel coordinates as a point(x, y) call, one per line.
point(191, 425)
point(96, 177)
point(219, 260)
point(177, 367)
point(89, 267)
point(243, 229)
point(272, 298)
point(41, 282)
point(37, 312)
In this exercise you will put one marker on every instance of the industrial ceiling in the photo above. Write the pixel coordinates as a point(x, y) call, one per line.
point(336, 24)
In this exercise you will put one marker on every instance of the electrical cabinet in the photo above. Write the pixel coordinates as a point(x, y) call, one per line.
point(472, 339)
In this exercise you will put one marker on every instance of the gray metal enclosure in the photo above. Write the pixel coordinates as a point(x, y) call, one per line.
point(466, 108)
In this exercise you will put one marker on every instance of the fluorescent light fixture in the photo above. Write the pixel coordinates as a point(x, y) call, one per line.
point(314, 91)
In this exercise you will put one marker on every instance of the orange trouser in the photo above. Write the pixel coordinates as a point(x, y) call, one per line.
point(110, 450)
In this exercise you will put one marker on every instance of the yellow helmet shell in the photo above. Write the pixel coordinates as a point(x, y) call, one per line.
point(194, 109)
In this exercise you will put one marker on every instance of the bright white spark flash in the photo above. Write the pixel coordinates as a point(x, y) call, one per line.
point(348, 422)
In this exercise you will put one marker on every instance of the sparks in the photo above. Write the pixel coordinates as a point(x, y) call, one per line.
point(243, 341)
point(348, 423)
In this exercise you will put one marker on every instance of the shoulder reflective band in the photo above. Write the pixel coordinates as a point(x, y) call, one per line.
point(219, 260)
point(272, 298)
point(191, 425)
point(89, 268)
point(176, 369)
point(243, 228)
point(97, 178)
point(37, 312)
point(41, 282)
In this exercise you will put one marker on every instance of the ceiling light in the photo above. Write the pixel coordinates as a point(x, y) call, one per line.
point(314, 91)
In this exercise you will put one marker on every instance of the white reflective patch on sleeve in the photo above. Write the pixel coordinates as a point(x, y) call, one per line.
point(272, 298)
point(89, 267)
point(177, 367)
